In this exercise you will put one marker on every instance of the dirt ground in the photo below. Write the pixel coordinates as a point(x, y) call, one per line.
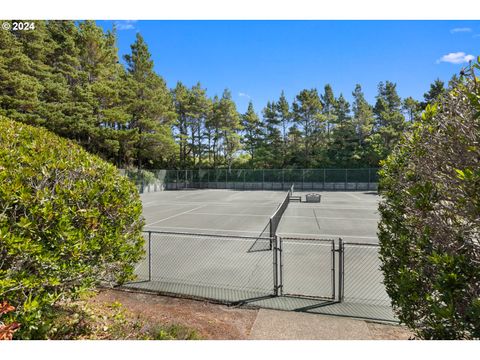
point(212, 321)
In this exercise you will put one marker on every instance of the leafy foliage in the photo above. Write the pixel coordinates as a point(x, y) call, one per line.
point(68, 220)
point(430, 218)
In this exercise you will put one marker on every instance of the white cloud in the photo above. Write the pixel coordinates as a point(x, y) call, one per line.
point(125, 24)
point(241, 94)
point(456, 58)
point(457, 30)
point(476, 35)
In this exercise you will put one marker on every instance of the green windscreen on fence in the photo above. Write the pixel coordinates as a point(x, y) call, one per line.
point(363, 179)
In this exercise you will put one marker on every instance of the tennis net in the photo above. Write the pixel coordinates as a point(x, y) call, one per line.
point(277, 216)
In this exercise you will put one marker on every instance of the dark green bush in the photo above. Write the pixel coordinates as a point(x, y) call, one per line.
point(68, 221)
point(430, 218)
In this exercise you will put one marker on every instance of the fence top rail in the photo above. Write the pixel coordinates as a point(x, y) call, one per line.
point(313, 239)
point(360, 244)
point(206, 235)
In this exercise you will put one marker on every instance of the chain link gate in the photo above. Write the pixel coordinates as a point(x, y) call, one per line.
point(305, 267)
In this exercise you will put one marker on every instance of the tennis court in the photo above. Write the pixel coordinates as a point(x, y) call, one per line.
point(217, 244)
point(351, 216)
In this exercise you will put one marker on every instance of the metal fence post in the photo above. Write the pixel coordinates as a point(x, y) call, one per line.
point(333, 269)
point(275, 265)
point(244, 171)
point(283, 179)
point(324, 176)
point(226, 178)
point(303, 179)
point(346, 178)
point(341, 267)
point(176, 183)
point(149, 256)
point(280, 268)
point(369, 171)
point(263, 178)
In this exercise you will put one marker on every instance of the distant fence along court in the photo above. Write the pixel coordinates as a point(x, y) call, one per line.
point(364, 179)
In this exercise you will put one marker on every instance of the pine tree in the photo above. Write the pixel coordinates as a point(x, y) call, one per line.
point(20, 82)
point(212, 132)
point(252, 129)
point(343, 148)
point(105, 85)
point(437, 89)
point(150, 108)
point(328, 106)
point(181, 99)
point(229, 126)
point(389, 122)
point(307, 113)
point(412, 108)
point(363, 120)
point(284, 116)
point(272, 141)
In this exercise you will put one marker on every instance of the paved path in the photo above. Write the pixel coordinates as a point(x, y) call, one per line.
point(288, 325)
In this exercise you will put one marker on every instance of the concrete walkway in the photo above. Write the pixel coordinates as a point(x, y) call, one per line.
point(288, 325)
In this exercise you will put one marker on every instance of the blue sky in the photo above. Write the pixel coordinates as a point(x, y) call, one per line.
point(256, 60)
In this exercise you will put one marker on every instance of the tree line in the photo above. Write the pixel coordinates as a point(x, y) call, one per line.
point(68, 78)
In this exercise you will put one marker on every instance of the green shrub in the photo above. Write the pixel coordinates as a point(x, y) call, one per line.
point(430, 218)
point(68, 221)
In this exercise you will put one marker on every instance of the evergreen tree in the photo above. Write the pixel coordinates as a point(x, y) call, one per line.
point(437, 88)
point(328, 107)
point(200, 107)
point(307, 113)
point(229, 121)
point(273, 137)
point(252, 129)
point(284, 117)
point(362, 115)
point(99, 60)
point(20, 81)
point(181, 99)
point(412, 108)
point(343, 147)
point(150, 108)
point(389, 122)
point(212, 132)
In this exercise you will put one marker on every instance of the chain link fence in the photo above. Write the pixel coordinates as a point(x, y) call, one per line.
point(276, 272)
point(217, 267)
point(362, 277)
point(255, 179)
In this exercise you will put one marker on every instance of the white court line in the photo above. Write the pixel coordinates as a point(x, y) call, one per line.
point(354, 196)
point(239, 193)
point(160, 203)
point(331, 207)
point(170, 217)
point(284, 216)
point(150, 202)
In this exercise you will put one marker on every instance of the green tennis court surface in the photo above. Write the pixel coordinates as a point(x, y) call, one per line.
point(351, 216)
